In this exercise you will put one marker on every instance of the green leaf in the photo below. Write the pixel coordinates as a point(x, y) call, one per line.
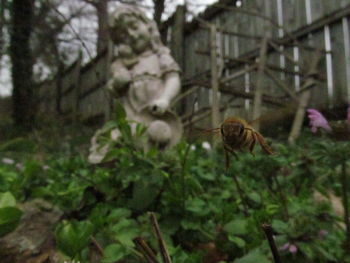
point(120, 113)
point(125, 231)
point(237, 240)
point(9, 219)
point(114, 253)
point(280, 226)
point(118, 214)
point(190, 225)
point(253, 257)
point(255, 197)
point(236, 227)
point(7, 199)
point(272, 209)
point(73, 237)
point(143, 195)
point(18, 145)
point(197, 206)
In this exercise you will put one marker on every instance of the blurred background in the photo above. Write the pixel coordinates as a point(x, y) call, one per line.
point(281, 65)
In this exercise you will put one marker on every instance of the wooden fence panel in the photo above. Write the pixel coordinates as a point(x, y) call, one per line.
point(338, 64)
point(294, 15)
point(69, 86)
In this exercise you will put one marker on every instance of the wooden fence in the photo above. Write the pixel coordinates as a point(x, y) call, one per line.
point(78, 91)
point(264, 50)
point(236, 60)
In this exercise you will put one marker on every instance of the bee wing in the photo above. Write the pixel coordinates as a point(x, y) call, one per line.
point(206, 132)
point(273, 116)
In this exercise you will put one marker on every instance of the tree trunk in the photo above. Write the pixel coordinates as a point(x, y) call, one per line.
point(2, 22)
point(102, 31)
point(22, 62)
point(158, 11)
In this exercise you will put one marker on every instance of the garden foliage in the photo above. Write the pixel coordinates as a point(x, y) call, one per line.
point(202, 214)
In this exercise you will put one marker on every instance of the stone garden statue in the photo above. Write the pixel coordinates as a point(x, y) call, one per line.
point(143, 77)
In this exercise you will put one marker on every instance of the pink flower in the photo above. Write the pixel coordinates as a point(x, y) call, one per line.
point(285, 246)
point(290, 247)
point(293, 249)
point(7, 161)
point(317, 120)
point(323, 233)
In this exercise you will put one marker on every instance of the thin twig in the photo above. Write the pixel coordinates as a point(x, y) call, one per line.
point(74, 32)
point(162, 246)
point(97, 245)
point(145, 250)
point(269, 235)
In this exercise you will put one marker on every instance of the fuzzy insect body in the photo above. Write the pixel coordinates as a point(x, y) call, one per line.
point(238, 135)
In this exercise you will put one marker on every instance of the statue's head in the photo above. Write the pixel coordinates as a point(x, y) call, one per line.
point(129, 26)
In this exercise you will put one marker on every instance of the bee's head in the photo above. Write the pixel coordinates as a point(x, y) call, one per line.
point(232, 129)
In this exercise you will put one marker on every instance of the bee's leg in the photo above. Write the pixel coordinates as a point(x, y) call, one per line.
point(227, 159)
point(228, 149)
point(252, 144)
point(263, 143)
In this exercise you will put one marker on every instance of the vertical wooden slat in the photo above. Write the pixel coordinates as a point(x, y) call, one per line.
point(76, 91)
point(338, 64)
point(304, 99)
point(329, 66)
point(214, 77)
point(346, 35)
point(259, 89)
point(177, 39)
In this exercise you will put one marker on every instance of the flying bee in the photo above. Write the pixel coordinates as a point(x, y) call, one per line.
point(238, 135)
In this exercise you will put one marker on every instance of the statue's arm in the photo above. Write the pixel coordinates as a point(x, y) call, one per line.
point(171, 88)
point(172, 85)
point(119, 80)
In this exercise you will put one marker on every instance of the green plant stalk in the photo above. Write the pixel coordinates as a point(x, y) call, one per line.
point(283, 198)
point(344, 183)
point(241, 195)
point(183, 176)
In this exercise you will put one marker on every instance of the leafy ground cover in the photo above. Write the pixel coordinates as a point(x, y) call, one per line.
point(206, 214)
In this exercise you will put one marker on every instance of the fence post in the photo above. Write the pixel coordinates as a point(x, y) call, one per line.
point(305, 96)
point(259, 89)
point(177, 38)
point(59, 87)
point(215, 117)
point(75, 106)
point(109, 100)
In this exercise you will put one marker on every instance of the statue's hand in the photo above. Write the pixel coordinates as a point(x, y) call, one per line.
point(159, 107)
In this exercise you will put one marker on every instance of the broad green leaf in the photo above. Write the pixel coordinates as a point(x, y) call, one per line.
point(114, 253)
point(118, 214)
point(7, 199)
point(9, 219)
point(190, 225)
point(280, 226)
point(272, 209)
point(73, 237)
point(143, 195)
point(255, 197)
point(197, 206)
point(18, 145)
point(236, 227)
point(253, 257)
point(237, 240)
point(125, 231)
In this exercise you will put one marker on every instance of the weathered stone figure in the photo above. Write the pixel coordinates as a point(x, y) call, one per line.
point(144, 78)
